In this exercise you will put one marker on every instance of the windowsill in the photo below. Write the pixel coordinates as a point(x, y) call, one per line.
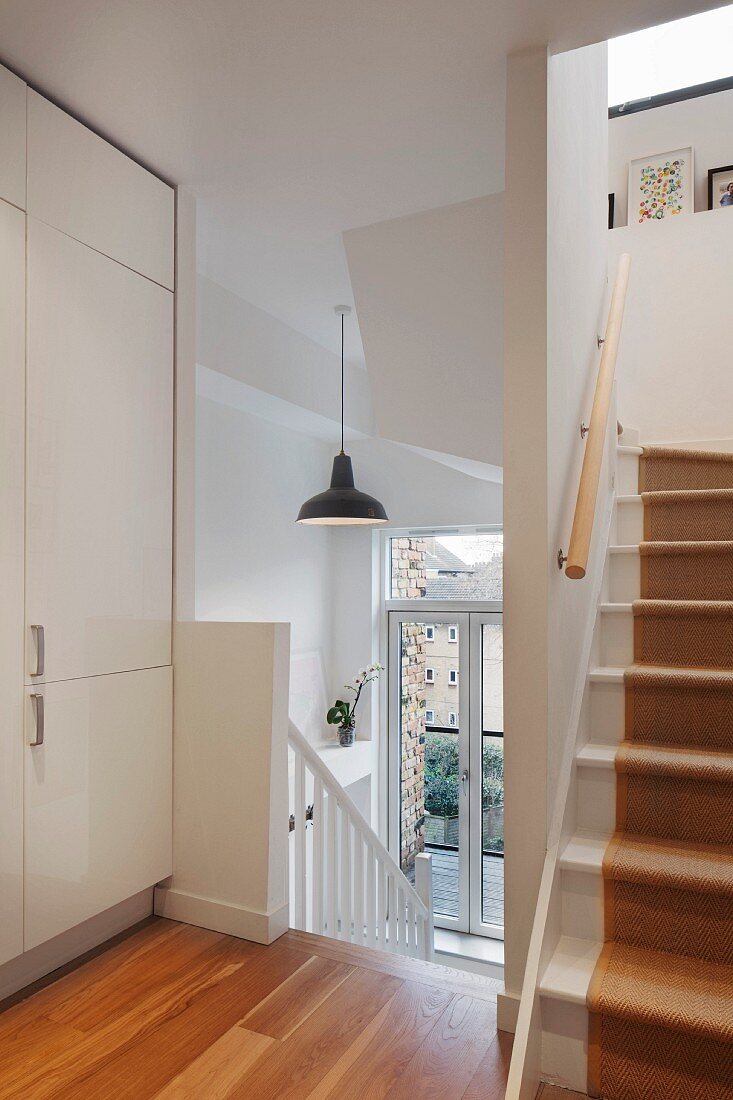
point(477, 954)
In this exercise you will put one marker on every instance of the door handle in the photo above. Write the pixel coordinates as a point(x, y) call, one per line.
point(464, 779)
point(40, 715)
point(40, 638)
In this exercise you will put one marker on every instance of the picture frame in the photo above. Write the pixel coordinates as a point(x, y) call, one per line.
point(661, 186)
point(720, 182)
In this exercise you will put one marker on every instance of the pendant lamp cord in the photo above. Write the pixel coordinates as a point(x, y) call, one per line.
point(342, 383)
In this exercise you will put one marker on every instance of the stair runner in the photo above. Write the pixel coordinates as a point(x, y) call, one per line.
point(661, 996)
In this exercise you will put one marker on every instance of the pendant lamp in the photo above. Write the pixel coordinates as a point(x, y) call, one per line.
point(342, 505)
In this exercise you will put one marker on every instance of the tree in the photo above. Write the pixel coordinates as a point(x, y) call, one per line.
point(441, 775)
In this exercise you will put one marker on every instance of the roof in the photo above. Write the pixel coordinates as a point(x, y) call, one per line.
point(484, 584)
point(445, 561)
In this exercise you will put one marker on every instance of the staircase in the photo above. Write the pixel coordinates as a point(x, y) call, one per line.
point(645, 875)
point(346, 884)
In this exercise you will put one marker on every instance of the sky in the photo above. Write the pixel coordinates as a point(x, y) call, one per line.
point(675, 55)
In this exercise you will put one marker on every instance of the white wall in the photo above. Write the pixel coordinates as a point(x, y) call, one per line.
point(675, 381)
point(253, 562)
point(230, 844)
point(555, 270)
point(704, 123)
point(245, 343)
point(429, 294)
point(577, 264)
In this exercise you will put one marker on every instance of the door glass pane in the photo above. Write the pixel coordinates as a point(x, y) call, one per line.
point(429, 755)
point(492, 778)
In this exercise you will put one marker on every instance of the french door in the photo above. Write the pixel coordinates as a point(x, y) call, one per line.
point(446, 789)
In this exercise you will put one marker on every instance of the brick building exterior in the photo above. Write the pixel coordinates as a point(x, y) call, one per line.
point(408, 573)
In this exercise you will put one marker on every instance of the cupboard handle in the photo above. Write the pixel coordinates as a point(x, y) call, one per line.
point(40, 713)
point(39, 634)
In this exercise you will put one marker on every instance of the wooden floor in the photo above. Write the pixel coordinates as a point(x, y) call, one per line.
point(554, 1092)
point(178, 1012)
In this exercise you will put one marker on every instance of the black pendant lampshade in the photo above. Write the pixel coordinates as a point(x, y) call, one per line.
point(342, 505)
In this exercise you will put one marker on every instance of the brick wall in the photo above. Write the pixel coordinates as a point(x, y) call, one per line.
point(408, 573)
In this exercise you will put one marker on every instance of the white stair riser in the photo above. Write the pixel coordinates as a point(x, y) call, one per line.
point(596, 799)
point(617, 638)
point(629, 522)
point(565, 1044)
point(627, 474)
point(623, 578)
point(607, 717)
point(629, 438)
point(582, 904)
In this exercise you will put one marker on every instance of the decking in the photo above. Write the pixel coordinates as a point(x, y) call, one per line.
point(445, 884)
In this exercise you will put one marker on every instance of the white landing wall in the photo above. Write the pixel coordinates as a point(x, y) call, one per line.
point(704, 123)
point(429, 292)
point(555, 298)
point(674, 377)
point(253, 562)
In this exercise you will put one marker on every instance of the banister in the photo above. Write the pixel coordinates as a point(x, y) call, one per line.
point(585, 507)
point(323, 773)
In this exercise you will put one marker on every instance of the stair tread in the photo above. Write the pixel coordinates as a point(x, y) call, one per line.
point(684, 546)
point(672, 991)
point(674, 762)
point(671, 676)
point(584, 852)
point(675, 864)
point(608, 674)
point(680, 608)
point(596, 754)
point(686, 453)
point(677, 496)
point(569, 971)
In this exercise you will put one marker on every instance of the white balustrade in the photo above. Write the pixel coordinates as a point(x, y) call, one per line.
point(346, 883)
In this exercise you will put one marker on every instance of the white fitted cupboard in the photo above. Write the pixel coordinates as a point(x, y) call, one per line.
point(86, 466)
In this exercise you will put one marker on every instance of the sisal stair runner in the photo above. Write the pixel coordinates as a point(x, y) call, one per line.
point(661, 997)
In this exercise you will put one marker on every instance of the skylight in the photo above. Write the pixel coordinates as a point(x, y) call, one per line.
point(676, 55)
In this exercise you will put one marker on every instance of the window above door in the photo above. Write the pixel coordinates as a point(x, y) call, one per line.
point(434, 567)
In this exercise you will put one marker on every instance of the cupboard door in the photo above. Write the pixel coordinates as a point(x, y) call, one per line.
point(97, 796)
point(99, 462)
point(12, 138)
point(82, 185)
point(12, 491)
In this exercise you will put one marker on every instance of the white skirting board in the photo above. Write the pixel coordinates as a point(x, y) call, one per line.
point(507, 1011)
point(45, 958)
point(222, 916)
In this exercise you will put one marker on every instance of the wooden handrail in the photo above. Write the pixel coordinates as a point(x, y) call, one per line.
point(590, 474)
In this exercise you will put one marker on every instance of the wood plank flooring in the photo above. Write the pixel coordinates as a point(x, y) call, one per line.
point(174, 1012)
point(554, 1092)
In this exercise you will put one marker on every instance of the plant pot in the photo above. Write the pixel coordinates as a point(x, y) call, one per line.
point(347, 736)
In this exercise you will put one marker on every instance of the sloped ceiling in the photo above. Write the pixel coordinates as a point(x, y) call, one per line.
point(429, 297)
point(293, 120)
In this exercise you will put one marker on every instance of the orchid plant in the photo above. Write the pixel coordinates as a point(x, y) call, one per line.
point(343, 713)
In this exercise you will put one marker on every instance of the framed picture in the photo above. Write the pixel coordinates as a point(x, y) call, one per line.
point(611, 208)
point(661, 186)
point(720, 187)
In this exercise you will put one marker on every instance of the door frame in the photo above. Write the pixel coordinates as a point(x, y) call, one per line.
point(443, 617)
point(477, 925)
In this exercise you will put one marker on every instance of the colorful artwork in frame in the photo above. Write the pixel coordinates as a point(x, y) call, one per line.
point(661, 187)
point(720, 188)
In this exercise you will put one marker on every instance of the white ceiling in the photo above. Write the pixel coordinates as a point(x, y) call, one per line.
point(293, 120)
